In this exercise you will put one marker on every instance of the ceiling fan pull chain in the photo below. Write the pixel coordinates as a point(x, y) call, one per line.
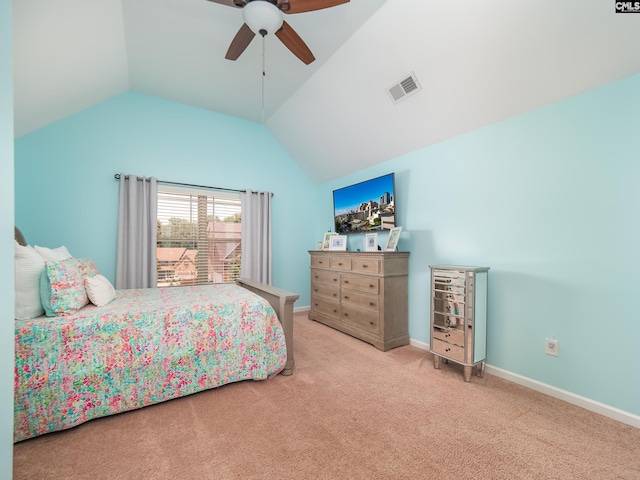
point(263, 74)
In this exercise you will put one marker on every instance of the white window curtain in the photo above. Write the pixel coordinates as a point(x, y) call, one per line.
point(256, 236)
point(136, 246)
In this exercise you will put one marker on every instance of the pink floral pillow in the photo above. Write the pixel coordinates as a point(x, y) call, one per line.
point(62, 288)
point(88, 269)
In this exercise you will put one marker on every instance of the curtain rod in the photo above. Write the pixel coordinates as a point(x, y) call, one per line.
point(117, 177)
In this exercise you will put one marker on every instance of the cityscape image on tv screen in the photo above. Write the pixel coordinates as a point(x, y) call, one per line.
point(367, 206)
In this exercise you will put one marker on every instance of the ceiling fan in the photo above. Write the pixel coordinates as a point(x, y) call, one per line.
point(265, 16)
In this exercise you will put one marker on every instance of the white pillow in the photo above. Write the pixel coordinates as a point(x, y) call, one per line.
point(99, 290)
point(53, 254)
point(28, 268)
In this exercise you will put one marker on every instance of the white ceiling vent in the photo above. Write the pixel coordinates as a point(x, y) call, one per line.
point(404, 88)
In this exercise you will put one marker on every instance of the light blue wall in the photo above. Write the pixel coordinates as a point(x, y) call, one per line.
point(6, 240)
point(546, 199)
point(66, 193)
point(549, 200)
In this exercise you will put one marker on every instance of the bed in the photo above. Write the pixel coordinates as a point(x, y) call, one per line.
point(144, 347)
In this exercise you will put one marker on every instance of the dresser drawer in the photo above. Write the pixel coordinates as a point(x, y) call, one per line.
point(326, 307)
point(448, 288)
point(449, 335)
point(326, 290)
point(321, 261)
point(363, 300)
point(446, 321)
point(448, 350)
point(450, 275)
point(366, 265)
point(340, 263)
point(365, 319)
point(449, 281)
point(325, 276)
point(361, 282)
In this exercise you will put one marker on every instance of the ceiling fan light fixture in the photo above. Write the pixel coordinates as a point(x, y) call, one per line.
point(262, 15)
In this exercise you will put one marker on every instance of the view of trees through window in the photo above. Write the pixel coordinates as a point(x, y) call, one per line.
point(199, 237)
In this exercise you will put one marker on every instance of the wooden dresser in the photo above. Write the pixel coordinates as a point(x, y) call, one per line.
point(363, 294)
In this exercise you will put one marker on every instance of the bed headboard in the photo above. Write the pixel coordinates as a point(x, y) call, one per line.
point(19, 237)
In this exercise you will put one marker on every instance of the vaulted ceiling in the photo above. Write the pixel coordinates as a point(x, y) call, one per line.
point(477, 63)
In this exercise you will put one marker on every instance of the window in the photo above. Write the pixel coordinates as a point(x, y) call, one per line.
point(199, 235)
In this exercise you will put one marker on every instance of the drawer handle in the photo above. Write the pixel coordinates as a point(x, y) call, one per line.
point(447, 349)
point(316, 304)
point(346, 281)
point(339, 264)
point(346, 314)
point(371, 286)
point(320, 262)
point(315, 289)
point(447, 335)
point(335, 279)
point(365, 266)
point(335, 294)
point(370, 322)
point(335, 311)
point(346, 297)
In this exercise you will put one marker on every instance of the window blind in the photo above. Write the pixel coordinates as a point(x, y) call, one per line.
point(199, 236)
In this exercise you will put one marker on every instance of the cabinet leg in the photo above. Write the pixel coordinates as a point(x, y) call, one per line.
point(480, 371)
point(436, 361)
point(467, 373)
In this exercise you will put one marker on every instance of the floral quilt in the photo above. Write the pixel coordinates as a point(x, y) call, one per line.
point(145, 347)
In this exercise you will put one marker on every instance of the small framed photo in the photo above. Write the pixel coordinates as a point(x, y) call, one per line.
point(338, 242)
point(371, 242)
point(392, 241)
point(325, 240)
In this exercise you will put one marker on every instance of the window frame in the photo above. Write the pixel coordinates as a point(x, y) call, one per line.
point(221, 241)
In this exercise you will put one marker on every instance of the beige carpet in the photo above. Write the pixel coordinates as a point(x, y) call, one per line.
point(349, 411)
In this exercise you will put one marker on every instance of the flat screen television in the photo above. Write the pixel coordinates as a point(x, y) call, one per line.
point(367, 206)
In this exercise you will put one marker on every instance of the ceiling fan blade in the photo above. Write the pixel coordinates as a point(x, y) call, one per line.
point(240, 42)
point(293, 42)
point(300, 6)
point(231, 3)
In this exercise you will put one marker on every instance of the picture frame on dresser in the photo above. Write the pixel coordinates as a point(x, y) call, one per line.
point(392, 240)
point(326, 240)
point(338, 242)
point(371, 242)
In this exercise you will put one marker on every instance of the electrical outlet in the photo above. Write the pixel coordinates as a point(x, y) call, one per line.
point(552, 347)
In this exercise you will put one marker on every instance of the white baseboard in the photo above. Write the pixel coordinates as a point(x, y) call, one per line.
point(301, 309)
point(419, 344)
point(586, 403)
